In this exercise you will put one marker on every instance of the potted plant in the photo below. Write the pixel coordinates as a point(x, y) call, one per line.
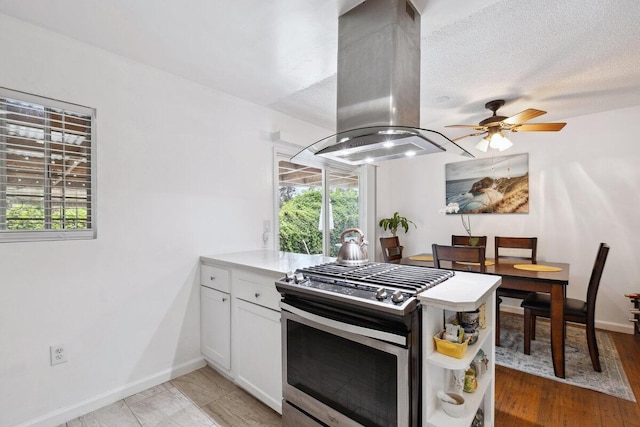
point(394, 222)
point(454, 208)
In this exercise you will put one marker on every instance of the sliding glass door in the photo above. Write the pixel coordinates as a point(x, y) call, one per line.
point(315, 205)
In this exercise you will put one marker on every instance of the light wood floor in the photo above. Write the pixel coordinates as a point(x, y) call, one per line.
point(204, 398)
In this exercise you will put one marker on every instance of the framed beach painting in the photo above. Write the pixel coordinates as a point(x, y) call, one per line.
point(489, 185)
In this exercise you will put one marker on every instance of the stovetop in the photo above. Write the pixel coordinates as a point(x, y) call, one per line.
point(406, 277)
point(375, 286)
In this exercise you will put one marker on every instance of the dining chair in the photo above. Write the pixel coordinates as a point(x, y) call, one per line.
point(391, 249)
point(522, 244)
point(526, 243)
point(577, 311)
point(464, 240)
point(472, 256)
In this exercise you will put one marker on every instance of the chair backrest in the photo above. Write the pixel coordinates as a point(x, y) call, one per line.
point(464, 240)
point(458, 254)
point(530, 243)
point(391, 249)
point(594, 281)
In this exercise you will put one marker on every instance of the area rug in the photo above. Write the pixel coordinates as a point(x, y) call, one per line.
point(578, 369)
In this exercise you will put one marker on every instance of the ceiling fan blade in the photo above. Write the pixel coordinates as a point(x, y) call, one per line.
point(524, 116)
point(466, 136)
point(538, 127)
point(476, 127)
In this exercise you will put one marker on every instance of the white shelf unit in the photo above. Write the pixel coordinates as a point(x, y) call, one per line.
point(438, 368)
point(473, 401)
point(448, 362)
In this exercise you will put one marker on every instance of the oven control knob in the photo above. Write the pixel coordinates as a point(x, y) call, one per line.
point(299, 277)
point(290, 276)
point(397, 296)
point(381, 293)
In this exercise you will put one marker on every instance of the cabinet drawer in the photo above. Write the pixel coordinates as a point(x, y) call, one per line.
point(216, 278)
point(257, 293)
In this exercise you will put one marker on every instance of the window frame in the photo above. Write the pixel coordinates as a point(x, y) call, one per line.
point(9, 236)
point(366, 192)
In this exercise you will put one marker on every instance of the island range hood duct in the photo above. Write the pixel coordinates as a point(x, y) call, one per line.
point(378, 115)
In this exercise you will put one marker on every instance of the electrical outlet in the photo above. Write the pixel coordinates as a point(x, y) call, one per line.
point(58, 354)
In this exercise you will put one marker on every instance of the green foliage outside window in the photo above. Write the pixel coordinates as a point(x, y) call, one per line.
point(300, 217)
point(30, 217)
point(345, 215)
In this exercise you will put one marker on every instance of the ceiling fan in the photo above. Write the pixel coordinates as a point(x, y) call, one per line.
point(495, 126)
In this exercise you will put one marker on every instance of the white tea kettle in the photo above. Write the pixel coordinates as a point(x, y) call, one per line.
point(353, 253)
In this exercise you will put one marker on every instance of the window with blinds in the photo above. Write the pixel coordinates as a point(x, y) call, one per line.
point(47, 184)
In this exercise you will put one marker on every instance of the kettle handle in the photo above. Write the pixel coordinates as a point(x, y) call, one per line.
point(349, 230)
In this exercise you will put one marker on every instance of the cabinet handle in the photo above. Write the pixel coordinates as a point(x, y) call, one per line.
point(224, 299)
point(212, 277)
point(257, 294)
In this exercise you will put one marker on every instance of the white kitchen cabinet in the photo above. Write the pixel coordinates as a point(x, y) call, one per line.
point(257, 360)
point(257, 354)
point(215, 326)
point(438, 368)
point(215, 315)
point(241, 336)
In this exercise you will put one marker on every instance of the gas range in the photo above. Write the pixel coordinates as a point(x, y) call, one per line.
point(390, 288)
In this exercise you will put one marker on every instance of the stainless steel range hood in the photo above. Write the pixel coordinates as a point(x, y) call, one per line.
point(378, 116)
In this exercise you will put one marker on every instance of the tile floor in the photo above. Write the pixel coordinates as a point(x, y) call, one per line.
point(200, 398)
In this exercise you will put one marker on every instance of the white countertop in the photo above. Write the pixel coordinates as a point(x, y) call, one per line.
point(463, 292)
point(268, 261)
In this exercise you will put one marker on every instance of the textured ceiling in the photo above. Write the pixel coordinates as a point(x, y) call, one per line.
point(569, 58)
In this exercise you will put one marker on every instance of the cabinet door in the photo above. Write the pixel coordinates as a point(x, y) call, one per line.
point(215, 326)
point(257, 352)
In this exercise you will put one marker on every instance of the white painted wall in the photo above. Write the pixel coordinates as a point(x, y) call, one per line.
point(583, 184)
point(183, 171)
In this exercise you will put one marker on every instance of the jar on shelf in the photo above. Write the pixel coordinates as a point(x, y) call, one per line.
point(470, 382)
point(480, 363)
point(478, 419)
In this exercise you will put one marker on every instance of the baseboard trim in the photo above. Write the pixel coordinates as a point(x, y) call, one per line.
point(62, 415)
point(606, 326)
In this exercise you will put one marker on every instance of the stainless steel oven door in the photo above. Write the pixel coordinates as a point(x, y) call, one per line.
point(343, 374)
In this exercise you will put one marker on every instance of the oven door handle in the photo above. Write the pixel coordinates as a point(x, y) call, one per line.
point(345, 327)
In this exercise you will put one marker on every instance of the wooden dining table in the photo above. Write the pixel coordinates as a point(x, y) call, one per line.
point(551, 282)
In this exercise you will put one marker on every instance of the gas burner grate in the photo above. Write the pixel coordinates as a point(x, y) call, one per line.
point(409, 278)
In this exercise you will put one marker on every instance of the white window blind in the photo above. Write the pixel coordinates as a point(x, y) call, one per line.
point(47, 184)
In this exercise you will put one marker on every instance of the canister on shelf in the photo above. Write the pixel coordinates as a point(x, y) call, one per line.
point(478, 419)
point(457, 380)
point(469, 319)
point(470, 382)
point(480, 363)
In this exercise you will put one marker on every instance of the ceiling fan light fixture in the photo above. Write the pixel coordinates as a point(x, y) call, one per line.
point(495, 125)
point(500, 142)
point(496, 140)
point(505, 144)
point(483, 144)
